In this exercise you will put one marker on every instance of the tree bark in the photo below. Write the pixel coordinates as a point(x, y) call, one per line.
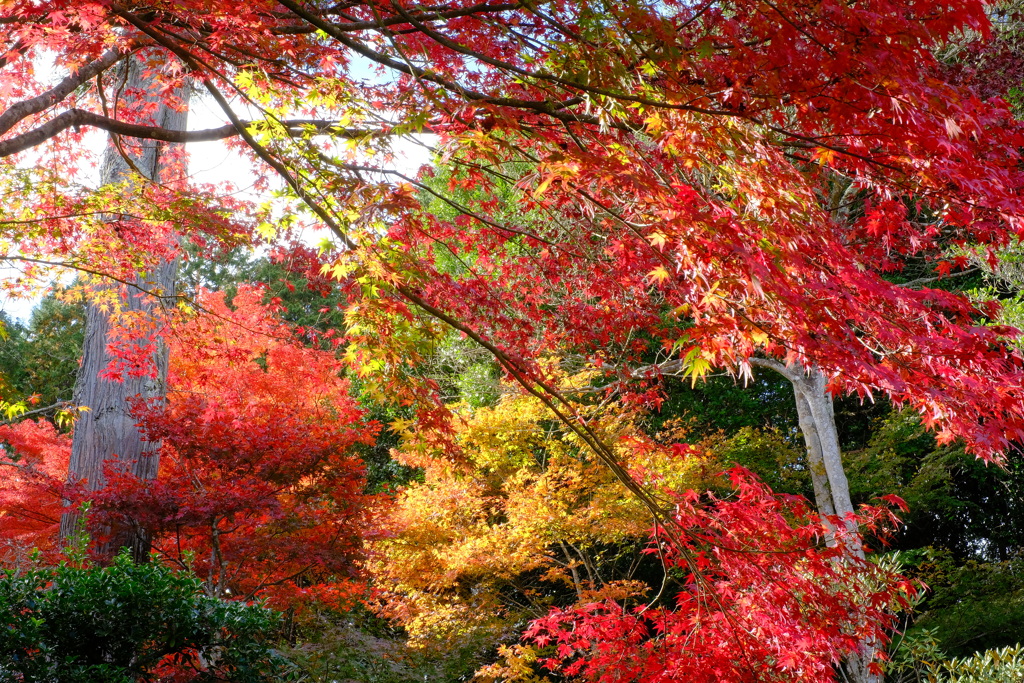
point(815, 457)
point(107, 433)
point(811, 385)
point(817, 419)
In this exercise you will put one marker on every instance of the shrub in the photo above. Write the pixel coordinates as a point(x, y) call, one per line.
point(128, 623)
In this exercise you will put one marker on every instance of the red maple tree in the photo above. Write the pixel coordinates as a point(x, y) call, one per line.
point(261, 488)
point(759, 598)
point(750, 167)
point(706, 181)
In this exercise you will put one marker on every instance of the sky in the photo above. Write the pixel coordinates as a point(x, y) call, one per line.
point(211, 162)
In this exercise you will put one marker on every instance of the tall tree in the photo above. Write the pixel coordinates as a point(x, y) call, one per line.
point(106, 435)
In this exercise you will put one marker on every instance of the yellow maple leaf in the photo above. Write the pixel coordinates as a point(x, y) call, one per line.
point(659, 274)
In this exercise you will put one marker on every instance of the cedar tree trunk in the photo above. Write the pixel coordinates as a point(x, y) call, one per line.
point(107, 433)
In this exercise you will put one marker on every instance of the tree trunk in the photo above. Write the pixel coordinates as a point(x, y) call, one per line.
point(107, 433)
point(811, 385)
point(815, 456)
point(823, 452)
point(831, 488)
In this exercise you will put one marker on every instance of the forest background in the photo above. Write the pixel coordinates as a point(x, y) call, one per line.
point(492, 426)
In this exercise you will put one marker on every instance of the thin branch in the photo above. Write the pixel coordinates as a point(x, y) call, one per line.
point(918, 282)
point(261, 151)
point(74, 118)
point(18, 418)
point(477, 10)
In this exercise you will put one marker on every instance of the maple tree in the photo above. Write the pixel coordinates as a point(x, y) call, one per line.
point(522, 527)
point(260, 490)
point(832, 79)
point(765, 621)
point(711, 182)
point(520, 520)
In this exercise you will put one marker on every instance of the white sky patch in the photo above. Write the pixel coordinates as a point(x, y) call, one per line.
point(214, 163)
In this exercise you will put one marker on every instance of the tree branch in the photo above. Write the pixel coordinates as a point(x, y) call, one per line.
point(478, 9)
point(786, 371)
point(921, 281)
point(54, 95)
point(554, 109)
point(74, 118)
point(45, 409)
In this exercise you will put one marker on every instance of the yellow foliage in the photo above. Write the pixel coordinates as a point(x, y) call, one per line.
point(515, 663)
point(526, 519)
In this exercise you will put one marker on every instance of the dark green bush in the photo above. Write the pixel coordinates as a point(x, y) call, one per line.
point(128, 623)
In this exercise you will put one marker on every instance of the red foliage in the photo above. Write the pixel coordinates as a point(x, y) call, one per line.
point(33, 467)
point(306, 262)
point(748, 166)
point(725, 178)
point(260, 488)
point(761, 599)
point(992, 65)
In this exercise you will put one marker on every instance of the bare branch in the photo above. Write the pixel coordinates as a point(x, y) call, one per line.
point(74, 118)
point(54, 95)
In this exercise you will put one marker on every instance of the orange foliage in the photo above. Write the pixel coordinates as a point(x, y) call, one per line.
point(260, 489)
